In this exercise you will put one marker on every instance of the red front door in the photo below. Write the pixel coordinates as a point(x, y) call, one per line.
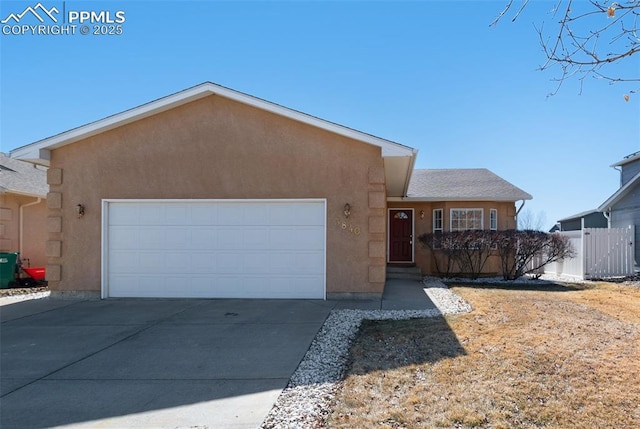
point(400, 236)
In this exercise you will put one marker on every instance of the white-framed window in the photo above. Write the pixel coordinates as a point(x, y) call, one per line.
point(493, 219)
point(438, 227)
point(466, 219)
point(437, 220)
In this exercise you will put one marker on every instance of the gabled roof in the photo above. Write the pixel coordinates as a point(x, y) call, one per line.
point(472, 184)
point(399, 159)
point(627, 159)
point(22, 178)
point(579, 215)
point(619, 194)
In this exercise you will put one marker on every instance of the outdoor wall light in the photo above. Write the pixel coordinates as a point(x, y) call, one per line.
point(347, 210)
point(421, 214)
point(80, 210)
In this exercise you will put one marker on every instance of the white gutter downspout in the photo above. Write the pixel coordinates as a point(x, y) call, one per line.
point(607, 215)
point(21, 222)
point(620, 170)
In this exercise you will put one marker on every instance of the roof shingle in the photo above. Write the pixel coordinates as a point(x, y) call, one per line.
point(22, 177)
point(463, 184)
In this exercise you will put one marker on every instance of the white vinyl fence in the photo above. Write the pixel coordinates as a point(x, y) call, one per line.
point(599, 253)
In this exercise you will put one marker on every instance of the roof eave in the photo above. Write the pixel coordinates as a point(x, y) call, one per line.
point(397, 172)
point(479, 199)
point(619, 194)
point(624, 161)
point(578, 215)
point(38, 152)
point(24, 194)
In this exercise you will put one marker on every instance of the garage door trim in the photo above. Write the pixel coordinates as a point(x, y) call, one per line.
point(105, 228)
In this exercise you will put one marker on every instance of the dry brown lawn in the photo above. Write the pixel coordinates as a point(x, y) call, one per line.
point(561, 358)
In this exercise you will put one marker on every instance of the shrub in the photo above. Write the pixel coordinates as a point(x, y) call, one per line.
point(466, 250)
point(523, 252)
point(520, 252)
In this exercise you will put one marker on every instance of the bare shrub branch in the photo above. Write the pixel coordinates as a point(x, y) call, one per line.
point(520, 252)
point(523, 252)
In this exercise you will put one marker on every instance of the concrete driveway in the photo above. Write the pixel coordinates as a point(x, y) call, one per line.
point(150, 363)
point(160, 363)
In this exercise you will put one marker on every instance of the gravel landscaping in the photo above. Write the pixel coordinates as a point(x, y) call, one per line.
point(306, 399)
point(11, 295)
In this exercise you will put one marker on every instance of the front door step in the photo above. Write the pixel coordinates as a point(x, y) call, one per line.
point(411, 273)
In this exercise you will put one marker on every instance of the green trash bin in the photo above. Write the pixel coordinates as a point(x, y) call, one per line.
point(7, 269)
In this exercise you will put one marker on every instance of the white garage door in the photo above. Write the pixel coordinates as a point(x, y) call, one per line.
point(214, 248)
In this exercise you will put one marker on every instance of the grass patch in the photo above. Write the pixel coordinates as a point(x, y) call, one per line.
point(522, 358)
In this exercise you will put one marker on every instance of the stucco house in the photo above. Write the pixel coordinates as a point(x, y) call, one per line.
point(622, 209)
point(23, 211)
point(454, 200)
point(210, 192)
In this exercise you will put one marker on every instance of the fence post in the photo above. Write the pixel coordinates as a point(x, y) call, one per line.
point(632, 260)
point(583, 252)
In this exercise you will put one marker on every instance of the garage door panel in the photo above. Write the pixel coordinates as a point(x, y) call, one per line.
point(124, 237)
point(308, 262)
point(225, 249)
point(290, 238)
point(130, 238)
point(255, 214)
point(134, 286)
point(149, 215)
point(176, 214)
point(229, 238)
point(202, 262)
point(254, 237)
point(283, 214)
point(256, 262)
point(202, 215)
point(150, 261)
point(294, 215)
point(229, 215)
point(148, 238)
point(177, 237)
point(204, 238)
point(125, 262)
point(297, 287)
point(124, 215)
point(229, 263)
point(310, 217)
point(231, 286)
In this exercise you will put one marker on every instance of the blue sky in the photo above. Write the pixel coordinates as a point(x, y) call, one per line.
point(427, 74)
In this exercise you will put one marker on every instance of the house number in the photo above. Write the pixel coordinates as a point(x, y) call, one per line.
point(355, 230)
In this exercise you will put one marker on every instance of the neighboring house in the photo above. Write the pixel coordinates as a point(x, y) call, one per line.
point(622, 209)
point(210, 192)
point(23, 211)
point(588, 219)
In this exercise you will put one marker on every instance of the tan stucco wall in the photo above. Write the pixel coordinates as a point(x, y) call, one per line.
point(423, 257)
point(216, 148)
point(34, 227)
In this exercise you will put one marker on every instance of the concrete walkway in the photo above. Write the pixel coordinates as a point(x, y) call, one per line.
point(399, 294)
point(160, 363)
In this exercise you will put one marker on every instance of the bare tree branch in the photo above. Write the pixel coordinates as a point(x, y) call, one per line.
point(503, 13)
point(524, 4)
point(586, 38)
